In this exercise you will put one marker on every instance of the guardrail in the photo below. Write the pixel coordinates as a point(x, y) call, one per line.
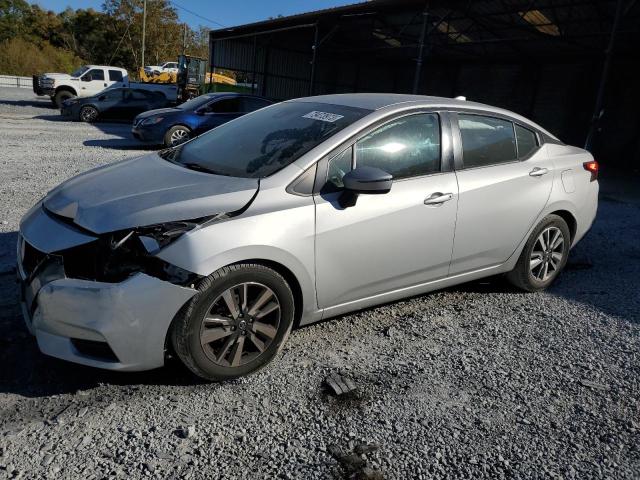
point(16, 82)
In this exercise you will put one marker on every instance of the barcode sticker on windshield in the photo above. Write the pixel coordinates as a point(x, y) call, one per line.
point(323, 116)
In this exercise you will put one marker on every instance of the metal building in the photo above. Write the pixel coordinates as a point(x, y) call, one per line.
point(570, 65)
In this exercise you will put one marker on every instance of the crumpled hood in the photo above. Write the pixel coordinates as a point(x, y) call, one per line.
point(145, 191)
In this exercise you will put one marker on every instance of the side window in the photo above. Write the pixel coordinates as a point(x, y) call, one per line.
point(96, 74)
point(486, 140)
point(115, 75)
point(226, 105)
point(338, 167)
point(405, 147)
point(527, 141)
point(252, 104)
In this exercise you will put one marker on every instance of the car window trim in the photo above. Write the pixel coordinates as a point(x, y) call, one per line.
point(446, 147)
point(457, 138)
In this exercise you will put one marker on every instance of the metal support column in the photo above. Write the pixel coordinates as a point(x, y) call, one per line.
point(423, 34)
point(314, 49)
point(253, 72)
point(597, 109)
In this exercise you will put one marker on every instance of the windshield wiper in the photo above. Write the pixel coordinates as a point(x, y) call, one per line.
point(200, 168)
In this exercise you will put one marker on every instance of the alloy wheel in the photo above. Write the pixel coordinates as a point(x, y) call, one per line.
point(547, 253)
point(88, 114)
point(240, 324)
point(179, 136)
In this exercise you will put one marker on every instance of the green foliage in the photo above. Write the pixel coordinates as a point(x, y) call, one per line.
point(34, 40)
point(22, 57)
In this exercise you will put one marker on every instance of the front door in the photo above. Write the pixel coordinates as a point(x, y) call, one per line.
point(394, 240)
point(505, 182)
point(93, 82)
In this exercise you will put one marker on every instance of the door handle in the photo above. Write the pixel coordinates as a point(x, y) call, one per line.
point(538, 172)
point(438, 198)
point(105, 84)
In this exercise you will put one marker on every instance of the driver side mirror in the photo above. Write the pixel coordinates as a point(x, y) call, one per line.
point(87, 78)
point(366, 180)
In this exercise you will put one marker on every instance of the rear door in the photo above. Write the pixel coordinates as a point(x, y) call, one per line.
point(115, 79)
point(504, 179)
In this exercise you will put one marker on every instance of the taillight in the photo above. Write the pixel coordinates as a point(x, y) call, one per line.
point(592, 167)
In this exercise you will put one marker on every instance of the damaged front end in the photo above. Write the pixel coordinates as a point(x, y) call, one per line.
point(102, 300)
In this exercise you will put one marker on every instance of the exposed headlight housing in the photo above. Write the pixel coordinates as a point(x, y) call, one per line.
point(116, 256)
point(152, 120)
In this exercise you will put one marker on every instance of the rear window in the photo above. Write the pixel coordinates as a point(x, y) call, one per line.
point(259, 144)
point(486, 140)
point(115, 75)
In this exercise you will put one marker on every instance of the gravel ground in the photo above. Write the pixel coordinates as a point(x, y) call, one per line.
point(477, 381)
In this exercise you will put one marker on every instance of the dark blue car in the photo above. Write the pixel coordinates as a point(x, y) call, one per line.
point(172, 126)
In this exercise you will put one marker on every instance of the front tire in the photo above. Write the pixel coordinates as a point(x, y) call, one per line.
point(176, 135)
point(88, 114)
point(543, 256)
point(236, 323)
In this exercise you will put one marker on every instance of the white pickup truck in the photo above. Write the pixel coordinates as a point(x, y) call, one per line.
point(90, 80)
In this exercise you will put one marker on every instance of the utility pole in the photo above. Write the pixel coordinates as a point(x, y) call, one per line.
point(144, 27)
point(184, 40)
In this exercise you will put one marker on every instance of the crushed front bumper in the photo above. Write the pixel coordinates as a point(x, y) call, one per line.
point(117, 326)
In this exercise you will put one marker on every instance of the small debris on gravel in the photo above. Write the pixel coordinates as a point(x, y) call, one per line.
point(339, 384)
point(186, 432)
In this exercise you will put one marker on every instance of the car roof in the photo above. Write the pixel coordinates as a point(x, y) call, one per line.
point(377, 101)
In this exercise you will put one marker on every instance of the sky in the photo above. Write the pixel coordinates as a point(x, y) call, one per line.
point(216, 12)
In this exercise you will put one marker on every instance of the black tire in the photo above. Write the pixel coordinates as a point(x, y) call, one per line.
point(533, 280)
point(89, 114)
point(61, 96)
point(173, 132)
point(188, 325)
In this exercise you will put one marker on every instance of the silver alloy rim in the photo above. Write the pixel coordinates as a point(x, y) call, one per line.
point(240, 324)
point(89, 114)
point(547, 254)
point(179, 136)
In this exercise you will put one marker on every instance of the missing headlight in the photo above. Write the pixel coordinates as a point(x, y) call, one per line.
point(116, 256)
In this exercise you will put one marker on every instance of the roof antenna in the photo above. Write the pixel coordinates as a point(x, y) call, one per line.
point(460, 97)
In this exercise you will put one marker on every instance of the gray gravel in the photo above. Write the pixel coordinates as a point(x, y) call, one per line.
point(477, 381)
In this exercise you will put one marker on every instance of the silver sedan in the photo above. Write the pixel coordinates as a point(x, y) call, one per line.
point(298, 212)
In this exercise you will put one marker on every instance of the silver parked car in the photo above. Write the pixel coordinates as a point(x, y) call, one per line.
point(297, 212)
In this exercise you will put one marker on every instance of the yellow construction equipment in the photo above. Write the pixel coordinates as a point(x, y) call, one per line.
point(159, 77)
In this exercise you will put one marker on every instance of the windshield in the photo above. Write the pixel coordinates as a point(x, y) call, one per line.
point(80, 71)
point(195, 103)
point(263, 142)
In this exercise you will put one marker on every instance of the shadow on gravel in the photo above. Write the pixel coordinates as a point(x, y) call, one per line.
point(29, 103)
point(121, 144)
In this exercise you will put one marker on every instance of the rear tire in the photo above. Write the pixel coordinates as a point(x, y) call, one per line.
point(236, 324)
point(61, 96)
point(543, 256)
point(176, 135)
